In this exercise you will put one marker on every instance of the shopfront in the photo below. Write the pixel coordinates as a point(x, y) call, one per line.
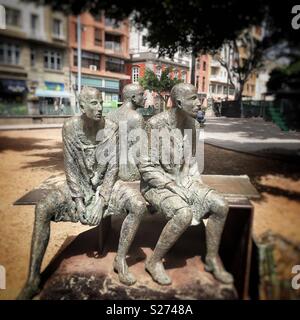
point(13, 94)
point(53, 99)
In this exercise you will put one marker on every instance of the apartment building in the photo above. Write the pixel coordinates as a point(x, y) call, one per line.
point(143, 57)
point(34, 69)
point(104, 52)
point(202, 80)
point(220, 87)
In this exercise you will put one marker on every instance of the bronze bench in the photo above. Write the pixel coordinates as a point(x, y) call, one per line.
point(236, 246)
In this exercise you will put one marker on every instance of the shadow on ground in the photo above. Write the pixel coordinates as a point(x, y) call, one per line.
point(227, 162)
point(25, 144)
point(51, 160)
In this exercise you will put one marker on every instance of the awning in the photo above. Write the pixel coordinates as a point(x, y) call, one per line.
point(52, 93)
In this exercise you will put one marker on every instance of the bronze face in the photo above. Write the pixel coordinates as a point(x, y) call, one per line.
point(92, 105)
point(190, 103)
point(139, 98)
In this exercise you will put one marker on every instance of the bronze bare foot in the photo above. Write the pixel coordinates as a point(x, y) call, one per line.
point(31, 289)
point(121, 268)
point(158, 272)
point(215, 266)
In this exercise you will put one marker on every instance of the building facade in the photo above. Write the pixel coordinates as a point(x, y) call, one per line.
point(34, 69)
point(143, 57)
point(105, 50)
point(202, 74)
point(220, 87)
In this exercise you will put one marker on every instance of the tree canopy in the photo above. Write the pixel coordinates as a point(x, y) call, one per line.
point(199, 25)
point(161, 85)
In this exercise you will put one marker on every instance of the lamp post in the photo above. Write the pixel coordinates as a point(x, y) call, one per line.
point(193, 66)
point(78, 54)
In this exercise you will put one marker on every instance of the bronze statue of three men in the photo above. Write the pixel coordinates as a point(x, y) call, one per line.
point(97, 175)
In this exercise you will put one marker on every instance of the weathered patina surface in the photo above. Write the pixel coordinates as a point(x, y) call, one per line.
point(130, 122)
point(88, 194)
point(175, 188)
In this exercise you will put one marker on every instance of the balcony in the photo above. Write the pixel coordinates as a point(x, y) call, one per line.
point(218, 78)
point(113, 46)
point(215, 63)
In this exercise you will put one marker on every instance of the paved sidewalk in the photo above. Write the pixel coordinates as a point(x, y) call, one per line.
point(30, 126)
point(251, 135)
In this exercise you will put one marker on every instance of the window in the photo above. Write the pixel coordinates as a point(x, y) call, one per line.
point(83, 27)
point(13, 17)
point(219, 89)
point(98, 37)
point(197, 64)
point(212, 88)
point(32, 57)
point(204, 66)
point(213, 71)
point(144, 41)
point(110, 97)
point(183, 76)
point(57, 28)
point(203, 84)
point(34, 22)
point(113, 42)
point(52, 60)
point(9, 53)
point(112, 23)
point(114, 65)
point(87, 59)
point(135, 74)
point(175, 74)
point(197, 82)
point(225, 89)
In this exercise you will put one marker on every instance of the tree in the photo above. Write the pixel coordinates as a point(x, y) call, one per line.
point(197, 24)
point(245, 56)
point(286, 80)
point(161, 85)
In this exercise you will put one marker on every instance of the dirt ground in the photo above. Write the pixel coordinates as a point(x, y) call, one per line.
point(28, 157)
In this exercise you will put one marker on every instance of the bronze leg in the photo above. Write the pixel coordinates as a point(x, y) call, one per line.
point(214, 229)
point(170, 234)
point(128, 231)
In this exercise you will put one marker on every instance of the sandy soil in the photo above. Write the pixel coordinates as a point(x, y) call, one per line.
point(28, 157)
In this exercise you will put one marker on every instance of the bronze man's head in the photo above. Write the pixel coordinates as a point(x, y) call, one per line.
point(91, 103)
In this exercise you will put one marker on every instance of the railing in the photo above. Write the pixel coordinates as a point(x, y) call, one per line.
point(13, 109)
point(59, 111)
point(114, 46)
point(268, 110)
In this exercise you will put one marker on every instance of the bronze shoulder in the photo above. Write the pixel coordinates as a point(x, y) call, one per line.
point(158, 121)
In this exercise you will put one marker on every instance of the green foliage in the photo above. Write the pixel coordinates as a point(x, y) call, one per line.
point(285, 78)
point(200, 25)
point(161, 86)
point(151, 82)
point(13, 109)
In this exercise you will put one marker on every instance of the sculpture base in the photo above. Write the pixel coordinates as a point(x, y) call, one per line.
point(78, 272)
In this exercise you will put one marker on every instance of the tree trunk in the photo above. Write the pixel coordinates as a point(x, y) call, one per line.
point(238, 96)
point(164, 101)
